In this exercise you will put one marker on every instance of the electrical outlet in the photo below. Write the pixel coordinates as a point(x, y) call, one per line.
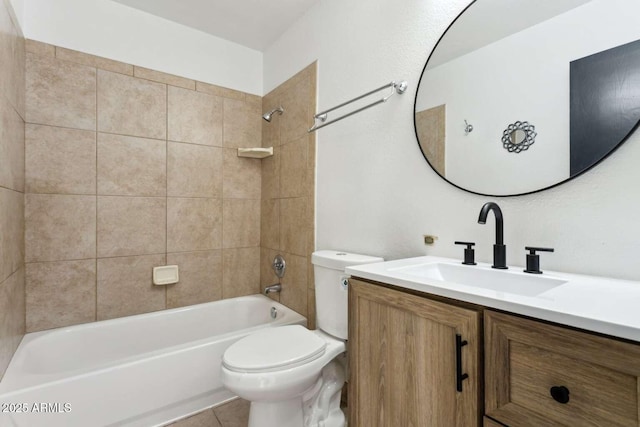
point(429, 239)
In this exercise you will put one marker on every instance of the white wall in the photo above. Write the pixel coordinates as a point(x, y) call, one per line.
point(112, 30)
point(377, 195)
point(521, 77)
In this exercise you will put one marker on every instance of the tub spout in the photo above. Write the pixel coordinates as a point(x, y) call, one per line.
point(273, 288)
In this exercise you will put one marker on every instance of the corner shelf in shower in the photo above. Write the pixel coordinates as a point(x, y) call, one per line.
point(255, 153)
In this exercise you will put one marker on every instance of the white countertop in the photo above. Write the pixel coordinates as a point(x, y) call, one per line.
point(597, 304)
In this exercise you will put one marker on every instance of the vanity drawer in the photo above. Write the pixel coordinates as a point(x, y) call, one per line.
point(594, 378)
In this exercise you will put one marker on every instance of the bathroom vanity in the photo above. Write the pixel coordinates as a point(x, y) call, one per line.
point(428, 350)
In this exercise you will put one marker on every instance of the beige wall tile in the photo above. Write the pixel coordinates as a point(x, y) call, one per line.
point(12, 62)
point(254, 100)
point(267, 275)
point(234, 413)
point(12, 306)
point(219, 91)
point(60, 294)
point(40, 48)
point(12, 317)
point(241, 223)
point(271, 175)
point(170, 79)
point(131, 226)
point(125, 286)
point(288, 190)
point(241, 272)
point(242, 176)
point(19, 70)
point(242, 124)
point(311, 309)
point(205, 418)
point(311, 247)
point(131, 166)
point(271, 130)
point(194, 224)
point(270, 224)
point(430, 127)
point(311, 167)
point(60, 160)
point(131, 106)
point(93, 61)
point(298, 116)
point(293, 222)
point(195, 117)
point(200, 278)
point(60, 93)
point(194, 170)
point(307, 74)
point(60, 227)
point(11, 147)
point(293, 168)
point(294, 283)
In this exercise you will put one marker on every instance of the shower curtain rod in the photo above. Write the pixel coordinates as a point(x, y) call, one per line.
point(397, 87)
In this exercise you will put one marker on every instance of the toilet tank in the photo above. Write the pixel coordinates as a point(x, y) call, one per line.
point(332, 288)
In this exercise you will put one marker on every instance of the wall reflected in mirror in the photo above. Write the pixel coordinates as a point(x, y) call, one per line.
point(570, 67)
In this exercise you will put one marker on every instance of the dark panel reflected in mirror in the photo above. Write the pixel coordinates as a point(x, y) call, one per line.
point(605, 88)
point(569, 67)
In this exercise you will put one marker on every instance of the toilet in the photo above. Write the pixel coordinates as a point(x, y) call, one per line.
point(293, 376)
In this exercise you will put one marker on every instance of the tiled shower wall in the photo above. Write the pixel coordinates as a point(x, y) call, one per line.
point(288, 182)
point(126, 169)
point(12, 305)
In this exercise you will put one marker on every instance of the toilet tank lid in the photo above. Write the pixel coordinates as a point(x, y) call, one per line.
point(339, 260)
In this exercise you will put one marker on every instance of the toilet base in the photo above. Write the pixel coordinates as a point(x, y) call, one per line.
point(318, 407)
point(322, 403)
point(286, 413)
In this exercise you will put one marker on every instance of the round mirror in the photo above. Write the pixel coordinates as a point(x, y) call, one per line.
point(517, 137)
point(537, 90)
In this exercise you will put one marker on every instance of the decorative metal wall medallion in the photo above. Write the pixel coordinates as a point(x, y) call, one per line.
point(519, 136)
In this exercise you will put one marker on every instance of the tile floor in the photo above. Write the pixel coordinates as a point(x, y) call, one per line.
point(232, 414)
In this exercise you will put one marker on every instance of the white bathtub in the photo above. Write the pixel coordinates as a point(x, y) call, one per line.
point(145, 370)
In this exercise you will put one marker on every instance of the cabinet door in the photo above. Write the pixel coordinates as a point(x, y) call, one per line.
point(539, 374)
point(403, 360)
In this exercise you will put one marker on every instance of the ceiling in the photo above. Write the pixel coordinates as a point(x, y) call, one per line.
point(255, 24)
point(488, 21)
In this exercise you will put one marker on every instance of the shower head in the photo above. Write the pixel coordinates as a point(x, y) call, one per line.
point(267, 116)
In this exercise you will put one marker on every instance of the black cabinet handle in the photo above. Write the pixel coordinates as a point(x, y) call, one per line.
point(560, 394)
point(459, 375)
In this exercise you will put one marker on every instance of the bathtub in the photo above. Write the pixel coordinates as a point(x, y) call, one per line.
point(144, 370)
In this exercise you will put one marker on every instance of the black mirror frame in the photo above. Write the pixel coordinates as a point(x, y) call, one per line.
point(415, 129)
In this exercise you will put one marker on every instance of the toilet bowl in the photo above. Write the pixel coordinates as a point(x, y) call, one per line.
point(293, 376)
point(276, 380)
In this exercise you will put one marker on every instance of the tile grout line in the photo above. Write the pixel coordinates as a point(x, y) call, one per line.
point(96, 223)
point(166, 190)
point(222, 275)
point(24, 193)
point(241, 95)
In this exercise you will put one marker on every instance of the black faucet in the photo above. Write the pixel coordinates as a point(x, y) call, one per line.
point(499, 249)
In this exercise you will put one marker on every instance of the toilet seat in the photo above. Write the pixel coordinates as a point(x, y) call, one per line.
point(274, 349)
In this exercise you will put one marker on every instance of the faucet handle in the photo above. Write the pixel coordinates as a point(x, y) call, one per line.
point(469, 253)
point(533, 259)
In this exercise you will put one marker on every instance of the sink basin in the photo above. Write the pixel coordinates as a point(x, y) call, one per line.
point(482, 277)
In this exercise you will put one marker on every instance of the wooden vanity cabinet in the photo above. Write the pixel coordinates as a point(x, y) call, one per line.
point(595, 377)
point(403, 352)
